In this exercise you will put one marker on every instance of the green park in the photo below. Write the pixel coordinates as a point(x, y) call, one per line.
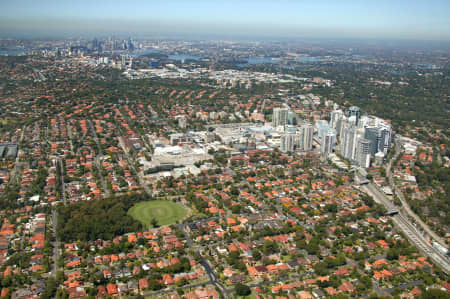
point(157, 212)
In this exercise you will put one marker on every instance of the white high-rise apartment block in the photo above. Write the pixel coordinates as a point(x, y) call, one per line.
point(328, 143)
point(336, 115)
point(363, 153)
point(306, 137)
point(322, 128)
point(288, 142)
point(280, 117)
point(348, 143)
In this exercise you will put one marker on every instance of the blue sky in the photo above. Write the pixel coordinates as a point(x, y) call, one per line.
point(338, 18)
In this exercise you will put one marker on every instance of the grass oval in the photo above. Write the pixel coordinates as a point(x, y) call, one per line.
point(164, 211)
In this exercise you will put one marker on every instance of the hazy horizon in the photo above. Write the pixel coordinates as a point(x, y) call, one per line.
point(404, 20)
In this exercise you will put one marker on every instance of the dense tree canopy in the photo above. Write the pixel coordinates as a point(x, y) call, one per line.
point(99, 219)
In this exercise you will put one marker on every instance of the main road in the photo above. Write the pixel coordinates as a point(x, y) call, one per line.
point(404, 202)
point(402, 222)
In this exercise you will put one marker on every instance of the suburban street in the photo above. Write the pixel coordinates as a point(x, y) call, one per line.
point(139, 175)
point(209, 271)
point(97, 160)
point(55, 243)
point(63, 187)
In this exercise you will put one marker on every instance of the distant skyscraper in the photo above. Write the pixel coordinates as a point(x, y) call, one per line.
point(306, 137)
point(385, 138)
point(365, 121)
point(291, 120)
point(322, 128)
point(127, 61)
point(362, 137)
point(380, 138)
point(341, 124)
point(348, 143)
point(354, 111)
point(130, 45)
point(328, 143)
point(352, 121)
point(287, 142)
point(371, 134)
point(280, 117)
point(363, 153)
point(336, 115)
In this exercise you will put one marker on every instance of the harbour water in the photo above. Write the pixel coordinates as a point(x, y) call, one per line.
point(182, 57)
point(249, 60)
point(14, 52)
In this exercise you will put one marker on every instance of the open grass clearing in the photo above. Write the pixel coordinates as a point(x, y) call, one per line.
point(163, 211)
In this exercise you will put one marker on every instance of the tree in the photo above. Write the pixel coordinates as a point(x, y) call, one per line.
point(50, 290)
point(154, 285)
point(61, 294)
point(435, 294)
point(181, 282)
point(99, 219)
point(313, 246)
point(392, 254)
point(154, 222)
point(256, 255)
point(242, 290)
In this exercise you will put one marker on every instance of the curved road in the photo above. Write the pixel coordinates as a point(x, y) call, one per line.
point(209, 271)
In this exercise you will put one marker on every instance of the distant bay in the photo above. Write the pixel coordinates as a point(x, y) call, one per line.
point(13, 52)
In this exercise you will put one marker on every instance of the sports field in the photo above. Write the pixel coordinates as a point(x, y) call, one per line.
point(164, 211)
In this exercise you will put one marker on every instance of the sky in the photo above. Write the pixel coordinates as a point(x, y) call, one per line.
point(390, 19)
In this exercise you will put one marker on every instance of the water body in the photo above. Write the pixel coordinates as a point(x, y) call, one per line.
point(257, 60)
point(262, 60)
point(144, 52)
point(425, 65)
point(249, 60)
point(13, 52)
point(179, 57)
point(361, 56)
point(182, 57)
point(275, 60)
point(308, 59)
